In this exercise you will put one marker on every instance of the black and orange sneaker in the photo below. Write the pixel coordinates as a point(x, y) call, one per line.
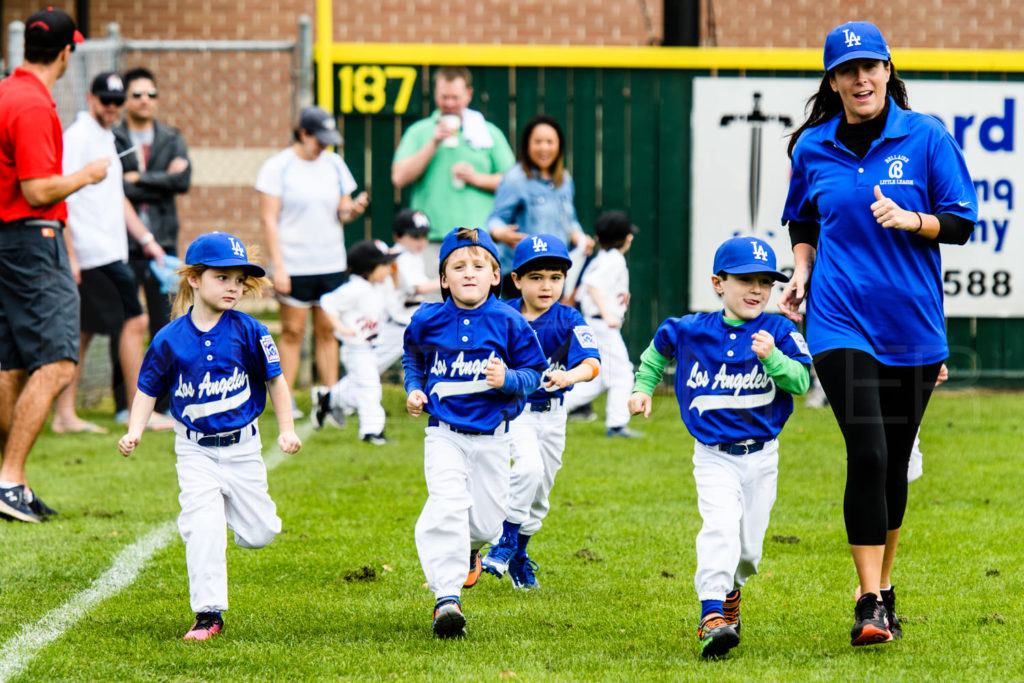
point(716, 636)
point(475, 568)
point(889, 600)
point(870, 623)
point(449, 622)
point(731, 610)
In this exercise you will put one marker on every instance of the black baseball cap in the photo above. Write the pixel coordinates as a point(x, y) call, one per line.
point(366, 255)
point(409, 222)
point(51, 28)
point(612, 226)
point(108, 86)
point(319, 123)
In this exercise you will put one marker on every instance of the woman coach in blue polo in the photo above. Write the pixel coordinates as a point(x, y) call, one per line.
point(875, 188)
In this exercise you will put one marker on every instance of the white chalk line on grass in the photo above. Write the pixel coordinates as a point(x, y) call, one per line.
point(19, 651)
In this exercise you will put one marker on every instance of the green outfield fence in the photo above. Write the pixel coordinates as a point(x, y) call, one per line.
point(627, 113)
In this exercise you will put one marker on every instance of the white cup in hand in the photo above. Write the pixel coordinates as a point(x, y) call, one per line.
point(457, 183)
point(452, 122)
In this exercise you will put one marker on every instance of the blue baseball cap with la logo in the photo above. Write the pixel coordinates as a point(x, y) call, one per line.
point(543, 246)
point(854, 40)
point(747, 255)
point(221, 250)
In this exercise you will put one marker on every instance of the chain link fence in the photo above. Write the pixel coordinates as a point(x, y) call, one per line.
point(235, 103)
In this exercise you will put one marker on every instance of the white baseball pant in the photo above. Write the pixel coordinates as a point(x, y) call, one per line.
point(360, 388)
point(389, 345)
point(616, 377)
point(538, 441)
point(467, 491)
point(221, 485)
point(735, 494)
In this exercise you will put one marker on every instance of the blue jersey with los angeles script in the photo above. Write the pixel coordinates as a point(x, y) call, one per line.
point(875, 289)
point(566, 340)
point(447, 350)
point(217, 379)
point(724, 393)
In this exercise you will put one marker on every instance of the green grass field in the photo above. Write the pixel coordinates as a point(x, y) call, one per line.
point(340, 594)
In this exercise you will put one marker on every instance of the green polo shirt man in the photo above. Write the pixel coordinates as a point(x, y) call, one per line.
point(453, 159)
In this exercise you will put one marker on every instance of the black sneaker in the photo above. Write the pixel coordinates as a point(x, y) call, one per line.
point(889, 600)
point(870, 623)
point(376, 439)
point(39, 507)
point(320, 406)
point(14, 504)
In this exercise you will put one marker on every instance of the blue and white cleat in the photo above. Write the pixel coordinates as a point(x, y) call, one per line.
point(497, 558)
point(523, 572)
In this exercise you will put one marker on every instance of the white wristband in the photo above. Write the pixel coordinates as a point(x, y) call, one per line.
point(146, 239)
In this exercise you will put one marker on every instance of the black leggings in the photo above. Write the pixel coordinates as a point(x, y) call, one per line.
point(879, 409)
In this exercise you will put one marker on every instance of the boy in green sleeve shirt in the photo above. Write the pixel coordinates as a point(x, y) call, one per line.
point(736, 373)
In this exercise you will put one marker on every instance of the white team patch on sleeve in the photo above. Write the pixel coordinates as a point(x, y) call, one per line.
point(800, 342)
point(585, 336)
point(270, 349)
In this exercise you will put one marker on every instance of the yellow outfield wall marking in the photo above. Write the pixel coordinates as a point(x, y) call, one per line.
point(323, 49)
point(699, 58)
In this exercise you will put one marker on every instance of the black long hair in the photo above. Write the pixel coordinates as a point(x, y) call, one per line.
point(826, 103)
point(558, 165)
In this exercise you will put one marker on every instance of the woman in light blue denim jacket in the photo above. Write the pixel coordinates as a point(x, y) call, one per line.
point(535, 196)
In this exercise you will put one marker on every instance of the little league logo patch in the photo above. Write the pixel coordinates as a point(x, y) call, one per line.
point(800, 342)
point(585, 336)
point(270, 349)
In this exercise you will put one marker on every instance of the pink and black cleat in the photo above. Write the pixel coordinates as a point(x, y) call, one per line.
point(208, 624)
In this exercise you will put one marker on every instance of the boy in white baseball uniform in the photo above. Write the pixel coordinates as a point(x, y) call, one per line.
point(409, 229)
point(604, 298)
point(737, 372)
point(218, 365)
point(470, 363)
point(539, 267)
point(356, 311)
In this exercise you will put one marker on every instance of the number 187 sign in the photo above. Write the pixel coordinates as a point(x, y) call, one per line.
point(374, 89)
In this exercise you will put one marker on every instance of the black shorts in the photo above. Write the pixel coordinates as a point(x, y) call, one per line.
point(307, 289)
point(38, 298)
point(110, 295)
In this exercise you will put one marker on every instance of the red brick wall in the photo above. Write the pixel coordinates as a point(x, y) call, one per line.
point(966, 24)
point(986, 24)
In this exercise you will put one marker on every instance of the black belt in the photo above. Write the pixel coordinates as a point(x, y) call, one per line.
point(545, 406)
point(33, 223)
point(218, 440)
point(434, 422)
point(740, 448)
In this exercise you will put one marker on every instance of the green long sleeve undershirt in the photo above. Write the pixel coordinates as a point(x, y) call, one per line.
point(789, 375)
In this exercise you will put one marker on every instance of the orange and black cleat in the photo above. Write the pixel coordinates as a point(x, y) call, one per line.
point(474, 569)
point(716, 636)
point(731, 610)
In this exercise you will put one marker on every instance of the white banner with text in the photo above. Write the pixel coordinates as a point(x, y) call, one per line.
point(741, 129)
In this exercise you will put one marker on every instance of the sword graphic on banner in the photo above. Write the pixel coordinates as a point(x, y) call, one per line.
point(757, 119)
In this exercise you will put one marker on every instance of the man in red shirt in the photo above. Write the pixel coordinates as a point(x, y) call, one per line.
point(38, 297)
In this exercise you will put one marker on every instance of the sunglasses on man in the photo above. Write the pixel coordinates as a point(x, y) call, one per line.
point(137, 94)
point(116, 100)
